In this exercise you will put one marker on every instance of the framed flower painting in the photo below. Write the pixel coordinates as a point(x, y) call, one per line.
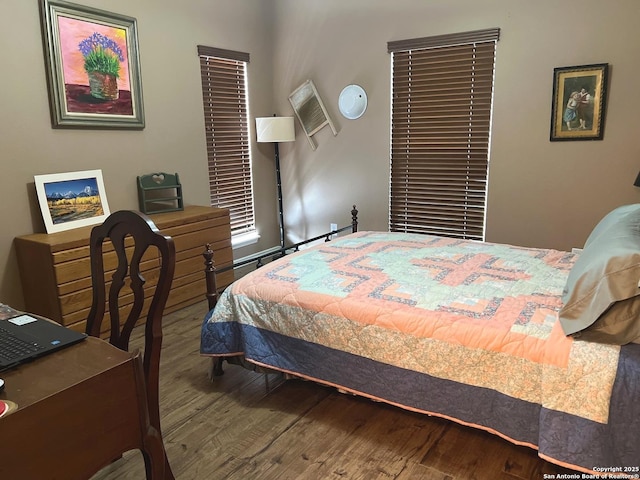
point(93, 67)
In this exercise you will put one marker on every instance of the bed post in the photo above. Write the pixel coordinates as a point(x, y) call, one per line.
point(210, 276)
point(212, 298)
point(354, 219)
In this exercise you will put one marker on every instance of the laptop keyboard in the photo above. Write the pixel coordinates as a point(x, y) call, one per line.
point(12, 348)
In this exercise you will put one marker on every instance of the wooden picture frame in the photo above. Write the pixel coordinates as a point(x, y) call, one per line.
point(578, 106)
point(92, 65)
point(71, 200)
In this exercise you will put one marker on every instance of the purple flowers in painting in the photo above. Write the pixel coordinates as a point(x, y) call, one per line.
point(102, 57)
point(101, 54)
point(99, 41)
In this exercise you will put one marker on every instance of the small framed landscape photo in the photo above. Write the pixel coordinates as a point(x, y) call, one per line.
point(92, 65)
point(578, 106)
point(71, 200)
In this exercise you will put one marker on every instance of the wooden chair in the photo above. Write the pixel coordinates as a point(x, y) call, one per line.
point(132, 234)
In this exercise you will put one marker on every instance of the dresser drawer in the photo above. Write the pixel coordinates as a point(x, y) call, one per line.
point(55, 268)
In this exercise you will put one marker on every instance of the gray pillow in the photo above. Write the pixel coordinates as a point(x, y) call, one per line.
point(611, 219)
point(619, 325)
point(607, 272)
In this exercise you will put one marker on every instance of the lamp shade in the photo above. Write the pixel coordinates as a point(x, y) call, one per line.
point(637, 182)
point(275, 129)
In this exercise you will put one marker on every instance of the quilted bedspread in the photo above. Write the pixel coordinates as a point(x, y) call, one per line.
point(460, 329)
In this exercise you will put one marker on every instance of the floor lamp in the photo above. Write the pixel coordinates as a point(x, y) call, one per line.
point(274, 130)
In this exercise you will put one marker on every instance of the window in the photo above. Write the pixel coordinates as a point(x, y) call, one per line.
point(226, 119)
point(442, 90)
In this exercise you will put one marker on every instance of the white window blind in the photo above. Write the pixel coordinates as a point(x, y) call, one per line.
point(224, 95)
point(442, 90)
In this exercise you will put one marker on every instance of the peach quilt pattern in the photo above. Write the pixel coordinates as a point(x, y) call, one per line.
point(435, 312)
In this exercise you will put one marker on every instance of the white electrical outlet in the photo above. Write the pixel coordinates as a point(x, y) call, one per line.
point(333, 226)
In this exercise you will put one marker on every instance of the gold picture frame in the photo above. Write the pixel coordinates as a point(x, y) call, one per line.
point(578, 106)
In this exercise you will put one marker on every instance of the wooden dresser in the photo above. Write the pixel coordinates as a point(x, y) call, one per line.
point(56, 274)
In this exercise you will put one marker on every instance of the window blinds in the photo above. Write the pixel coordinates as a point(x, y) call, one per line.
point(224, 97)
point(442, 92)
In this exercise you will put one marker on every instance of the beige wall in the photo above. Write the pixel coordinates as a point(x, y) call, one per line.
point(173, 139)
point(541, 193)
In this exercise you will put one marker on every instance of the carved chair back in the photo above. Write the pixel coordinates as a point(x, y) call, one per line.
point(140, 249)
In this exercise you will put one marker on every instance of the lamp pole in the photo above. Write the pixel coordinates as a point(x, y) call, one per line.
point(279, 185)
point(275, 130)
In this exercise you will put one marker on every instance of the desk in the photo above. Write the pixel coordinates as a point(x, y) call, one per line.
point(78, 409)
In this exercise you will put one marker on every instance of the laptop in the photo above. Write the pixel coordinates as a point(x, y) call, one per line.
point(23, 338)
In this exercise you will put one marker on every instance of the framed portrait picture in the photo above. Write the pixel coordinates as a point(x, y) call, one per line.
point(93, 67)
point(71, 200)
point(578, 106)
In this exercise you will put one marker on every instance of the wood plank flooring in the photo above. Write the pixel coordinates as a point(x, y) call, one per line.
point(233, 429)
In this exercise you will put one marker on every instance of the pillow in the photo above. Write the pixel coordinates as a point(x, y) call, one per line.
point(607, 272)
point(619, 325)
point(610, 219)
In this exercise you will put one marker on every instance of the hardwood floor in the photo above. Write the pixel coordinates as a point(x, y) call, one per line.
point(233, 429)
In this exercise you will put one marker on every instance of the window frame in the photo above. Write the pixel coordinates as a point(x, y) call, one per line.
point(224, 79)
point(441, 105)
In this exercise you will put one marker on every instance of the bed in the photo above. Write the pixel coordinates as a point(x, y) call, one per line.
point(538, 346)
